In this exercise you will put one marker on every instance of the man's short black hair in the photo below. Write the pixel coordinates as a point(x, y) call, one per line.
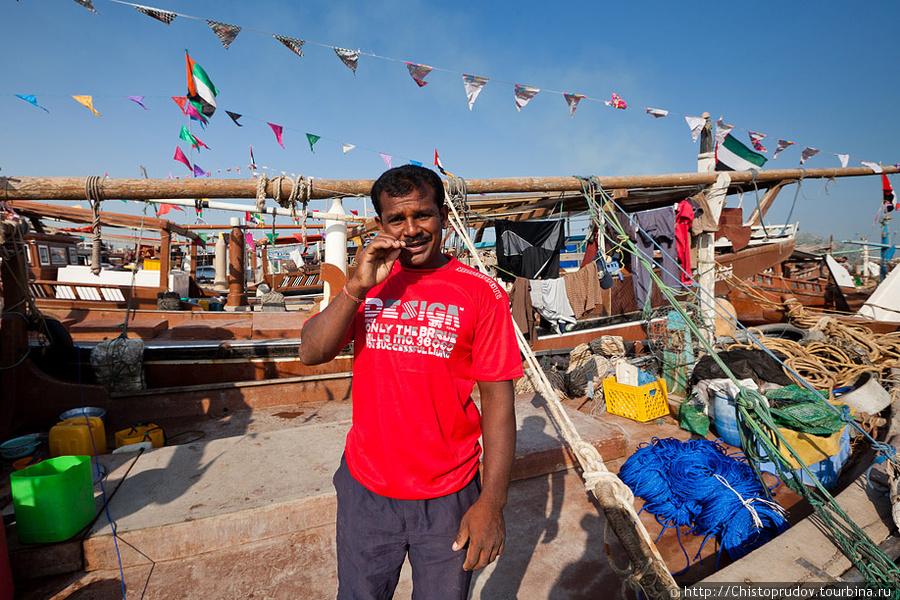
point(400, 181)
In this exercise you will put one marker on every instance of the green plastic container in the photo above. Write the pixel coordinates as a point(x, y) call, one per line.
point(53, 499)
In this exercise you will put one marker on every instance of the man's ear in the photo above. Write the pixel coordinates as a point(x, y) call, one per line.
point(445, 219)
point(378, 222)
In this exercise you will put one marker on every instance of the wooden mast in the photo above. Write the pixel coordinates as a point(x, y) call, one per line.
point(72, 188)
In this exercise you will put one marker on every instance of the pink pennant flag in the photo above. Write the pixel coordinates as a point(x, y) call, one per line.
point(807, 154)
point(180, 157)
point(386, 158)
point(277, 129)
point(572, 100)
point(782, 144)
point(756, 139)
point(616, 102)
point(696, 124)
point(226, 33)
point(191, 111)
point(524, 94)
point(473, 85)
point(419, 73)
point(87, 102)
point(139, 100)
point(250, 244)
point(656, 113)
point(722, 130)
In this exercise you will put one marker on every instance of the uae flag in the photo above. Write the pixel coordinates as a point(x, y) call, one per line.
point(201, 91)
point(731, 155)
point(890, 198)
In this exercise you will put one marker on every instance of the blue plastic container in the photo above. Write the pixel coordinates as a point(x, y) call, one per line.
point(725, 419)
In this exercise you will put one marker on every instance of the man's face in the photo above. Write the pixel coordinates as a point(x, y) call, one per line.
point(415, 219)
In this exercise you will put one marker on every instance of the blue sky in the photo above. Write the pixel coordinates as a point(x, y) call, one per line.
point(818, 74)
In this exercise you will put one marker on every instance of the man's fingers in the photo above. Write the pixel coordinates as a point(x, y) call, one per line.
point(461, 538)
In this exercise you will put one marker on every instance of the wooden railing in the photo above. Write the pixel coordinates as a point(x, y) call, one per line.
point(93, 292)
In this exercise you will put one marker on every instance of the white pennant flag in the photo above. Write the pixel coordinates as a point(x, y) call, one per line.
point(347, 147)
point(696, 124)
point(874, 166)
point(524, 93)
point(473, 85)
point(656, 113)
point(722, 130)
point(844, 158)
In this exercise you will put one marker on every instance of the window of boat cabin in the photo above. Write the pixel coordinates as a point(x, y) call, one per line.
point(73, 255)
point(44, 256)
point(58, 256)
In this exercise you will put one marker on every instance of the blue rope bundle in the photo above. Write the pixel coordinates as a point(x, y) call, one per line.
point(697, 484)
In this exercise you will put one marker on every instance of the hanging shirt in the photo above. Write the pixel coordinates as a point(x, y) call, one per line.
point(528, 249)
point(654, 228)
point(684, 218)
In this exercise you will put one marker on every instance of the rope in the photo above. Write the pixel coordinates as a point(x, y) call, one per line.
point(651, 573)
point(92, 194)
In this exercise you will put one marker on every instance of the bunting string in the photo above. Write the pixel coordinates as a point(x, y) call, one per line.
point(522, 94)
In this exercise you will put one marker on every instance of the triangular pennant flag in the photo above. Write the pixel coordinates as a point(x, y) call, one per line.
point(201, 90)
point(415, 162)
point(656, 113)
point(312, 139)
point(88, 102)
point(874, 166)
point(250, 244)
point(782, 144)
point(722, 130)
point(524, 94)
point(88, 4)
point(234, 117)
point(198, 171)
point(696, 124)
point(731, 155)
point(225, 32)
point(31, 99)
point(180, 157)
point(616, 102)
point(347, 147)
point(252, 164)
point(139, 100)
point(160, 15)
point(386, 158)
point(277, 130)
point(572, 100)
point(473, 85)
point(292, 44)
point(756, 139)
point(807, 154)
point(181, 101)
point(844, 158)
point(202, 237)
point(163, 209)
point(191, 110)
point(187, 136)
point(271, 237)
point(348, 57)
point(418, 73)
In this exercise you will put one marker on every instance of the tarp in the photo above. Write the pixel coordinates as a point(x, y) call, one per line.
point(884, 303)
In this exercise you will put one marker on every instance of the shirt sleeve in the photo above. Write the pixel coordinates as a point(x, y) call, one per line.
point(495, 351)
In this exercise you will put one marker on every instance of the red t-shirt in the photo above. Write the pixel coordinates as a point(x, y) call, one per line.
point(421, 340)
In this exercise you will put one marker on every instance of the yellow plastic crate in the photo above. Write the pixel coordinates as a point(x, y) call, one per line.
point(640, 403)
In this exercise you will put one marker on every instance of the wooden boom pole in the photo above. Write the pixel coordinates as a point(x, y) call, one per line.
point(73, 188)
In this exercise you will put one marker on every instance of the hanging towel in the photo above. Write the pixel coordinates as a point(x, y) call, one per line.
point(548, 297)
point(522, 311)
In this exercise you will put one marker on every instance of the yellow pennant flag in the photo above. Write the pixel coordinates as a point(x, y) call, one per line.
point(88, 101)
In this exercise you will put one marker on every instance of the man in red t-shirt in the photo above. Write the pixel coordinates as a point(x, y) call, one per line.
point(426, 330)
